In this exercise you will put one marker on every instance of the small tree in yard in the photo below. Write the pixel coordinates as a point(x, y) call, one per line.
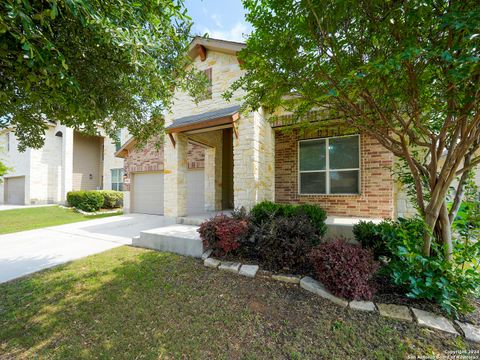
point(405, 72)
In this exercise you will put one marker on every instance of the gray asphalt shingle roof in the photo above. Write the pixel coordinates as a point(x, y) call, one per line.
point(211, 115)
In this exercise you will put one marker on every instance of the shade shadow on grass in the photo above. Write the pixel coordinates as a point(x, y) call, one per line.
point(131, 303)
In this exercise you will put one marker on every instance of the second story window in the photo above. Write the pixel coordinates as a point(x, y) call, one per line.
point(208, 74)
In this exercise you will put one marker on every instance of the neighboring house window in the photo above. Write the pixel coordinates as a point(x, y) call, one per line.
point(208, 74)
point(329, 165)
point(118, 141)
point(117, 179)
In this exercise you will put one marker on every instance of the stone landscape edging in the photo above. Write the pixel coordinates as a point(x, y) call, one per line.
point(392, 311)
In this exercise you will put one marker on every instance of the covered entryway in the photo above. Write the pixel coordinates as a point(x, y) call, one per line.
point(147, 193)
point(15, 190)
point(214, 131)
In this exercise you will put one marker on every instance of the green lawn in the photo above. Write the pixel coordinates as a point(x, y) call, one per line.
point(130, 303)
point(39, 217)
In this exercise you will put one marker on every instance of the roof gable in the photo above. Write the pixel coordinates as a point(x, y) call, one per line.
point(200, 47)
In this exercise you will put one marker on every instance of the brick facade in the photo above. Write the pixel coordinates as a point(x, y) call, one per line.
point(150, 159)
point(376, 196)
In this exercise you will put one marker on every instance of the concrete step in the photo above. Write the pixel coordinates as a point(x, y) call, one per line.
point(191, 220)
point(178, 239)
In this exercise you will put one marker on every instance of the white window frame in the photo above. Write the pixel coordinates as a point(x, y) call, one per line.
point(327, 167)
point(122, 172)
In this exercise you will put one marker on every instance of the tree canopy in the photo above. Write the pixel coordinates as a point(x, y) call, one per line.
point(405, 72)
point(90, 64)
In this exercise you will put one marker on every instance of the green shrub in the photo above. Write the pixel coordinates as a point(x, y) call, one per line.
point(86, 200)
point(74, 197)
point(316, 215)
point(267, 210)
point(111, 199)
point(450, 284)
point(371, 236)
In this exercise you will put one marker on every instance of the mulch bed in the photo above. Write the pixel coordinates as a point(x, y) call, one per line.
point(387, 292)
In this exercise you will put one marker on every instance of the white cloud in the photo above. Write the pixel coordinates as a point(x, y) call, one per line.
point(238, 32)
point(216, 20)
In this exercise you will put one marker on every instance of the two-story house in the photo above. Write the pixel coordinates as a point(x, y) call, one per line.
point(245, 159)
point(69, 160)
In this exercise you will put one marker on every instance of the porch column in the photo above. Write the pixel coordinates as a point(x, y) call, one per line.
point(209, 179)
point(254, 160)
point(67, 162)
point(175, 178)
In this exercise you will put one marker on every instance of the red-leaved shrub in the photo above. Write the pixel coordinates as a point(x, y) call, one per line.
point(345, 269)
point(222, 234)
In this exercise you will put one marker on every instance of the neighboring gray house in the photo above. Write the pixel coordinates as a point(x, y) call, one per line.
point(69, 160)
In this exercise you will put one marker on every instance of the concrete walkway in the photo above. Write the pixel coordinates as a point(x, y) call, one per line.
point(26, 252)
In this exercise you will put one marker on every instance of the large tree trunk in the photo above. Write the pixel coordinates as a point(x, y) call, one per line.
point(430, 221)
point(438, 225)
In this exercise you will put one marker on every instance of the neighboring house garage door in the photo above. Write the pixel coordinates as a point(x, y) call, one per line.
point(195, 192)
point(147, 193)
point(15, 190)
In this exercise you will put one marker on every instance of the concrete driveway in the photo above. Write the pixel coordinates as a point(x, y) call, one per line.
point(26, 252)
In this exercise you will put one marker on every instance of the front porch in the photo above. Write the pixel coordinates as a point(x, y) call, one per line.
point(238, 166)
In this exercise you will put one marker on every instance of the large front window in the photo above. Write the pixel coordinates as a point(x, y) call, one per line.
point(330, 165)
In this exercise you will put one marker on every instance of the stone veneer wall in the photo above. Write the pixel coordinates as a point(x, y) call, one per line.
point(403, 206)
point(253, 161)
point(149, 158)
point(225, 70)
point(376, 197)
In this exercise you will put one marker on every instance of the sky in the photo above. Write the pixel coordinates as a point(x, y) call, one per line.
point(220, 19)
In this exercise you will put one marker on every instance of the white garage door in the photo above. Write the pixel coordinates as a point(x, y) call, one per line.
point(195, 192)
point(15, 190)
point(147, 193)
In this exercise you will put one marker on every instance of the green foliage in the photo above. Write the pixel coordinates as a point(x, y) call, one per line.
point(92, 63)
point(467, 221)
point(403, 72)
point(90, 201)
point(267, 210)
point(111, 199)
point(371, 236)
point(3, 170)
point(450, 284)
point(380, 57)
point(316, 215)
